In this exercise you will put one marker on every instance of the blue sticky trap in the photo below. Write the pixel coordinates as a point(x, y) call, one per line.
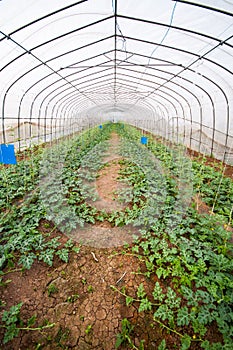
point(144, 140)
point(100, 126)
point(7, 154)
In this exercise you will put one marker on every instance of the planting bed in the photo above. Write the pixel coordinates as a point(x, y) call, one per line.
point(109, 244)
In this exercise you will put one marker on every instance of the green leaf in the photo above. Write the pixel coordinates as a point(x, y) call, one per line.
point(162, 345)
point(172, 300)
point(141, 345)
point(31, 321)
point(204, 315)
point(185, 342)
point(47, 256)
point(119, 341)
point(145, 305)
point(162, 272)
point(129, 300)
point(164, 313)
point(27, 260)
point(2, 261)
point(158, 292)
point(53, 243)
point(76, 249)
point(11, 332)
point(188, 294)
point(63, 254)
point(141, 292)
point(69, 243)
point(12, 315)
point(183, 318)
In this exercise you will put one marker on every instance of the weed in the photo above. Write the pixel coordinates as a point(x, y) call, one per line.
point(72, 298)
point(88, 329)
point(13, 323)
point(124, 338)
point(90, 289)
point(62, 336)
point(52, 289)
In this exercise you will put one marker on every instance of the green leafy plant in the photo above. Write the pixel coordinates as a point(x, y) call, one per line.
point(124, 338)
point(52, 289)
point(72, 298)
point(13, 323)
point(88, 329)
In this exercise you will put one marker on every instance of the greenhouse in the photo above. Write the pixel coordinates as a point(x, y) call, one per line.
point(116, 174)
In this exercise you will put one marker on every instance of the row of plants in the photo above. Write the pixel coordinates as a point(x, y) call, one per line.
point(67, 185)
point(192, 263)
point(215, 189)
point(190, 257)
point(20, 221)
point(26, 234)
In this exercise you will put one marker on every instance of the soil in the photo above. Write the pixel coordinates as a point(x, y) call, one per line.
point(107, 184)
point(77, 296)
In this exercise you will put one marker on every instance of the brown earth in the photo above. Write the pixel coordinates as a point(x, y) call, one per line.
point(77, 296)
point(107, 184)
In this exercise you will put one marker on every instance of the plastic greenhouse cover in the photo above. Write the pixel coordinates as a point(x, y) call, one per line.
point(166, 65)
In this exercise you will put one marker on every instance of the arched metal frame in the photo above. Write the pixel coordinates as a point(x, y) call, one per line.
point(61, 96)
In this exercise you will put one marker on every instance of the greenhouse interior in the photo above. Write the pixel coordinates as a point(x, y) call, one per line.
point(116, 163)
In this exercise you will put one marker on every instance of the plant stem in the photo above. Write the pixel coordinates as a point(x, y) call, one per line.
point(10, 271)
point(125, 295)
point(173, 330)
point(32, 329)
point(37, 328)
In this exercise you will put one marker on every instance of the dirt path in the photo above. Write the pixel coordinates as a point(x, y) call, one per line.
point(103, 235)
point(107, 183)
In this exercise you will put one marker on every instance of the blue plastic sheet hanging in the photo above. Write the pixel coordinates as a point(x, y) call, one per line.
point(144, 140)
point(7, 154)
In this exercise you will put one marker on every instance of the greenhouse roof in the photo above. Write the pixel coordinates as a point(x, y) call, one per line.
point(124, 59)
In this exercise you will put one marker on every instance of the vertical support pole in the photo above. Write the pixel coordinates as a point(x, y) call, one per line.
point(115, 50)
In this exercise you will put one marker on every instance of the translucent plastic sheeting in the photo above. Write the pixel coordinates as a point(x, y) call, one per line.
point(159, 64)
